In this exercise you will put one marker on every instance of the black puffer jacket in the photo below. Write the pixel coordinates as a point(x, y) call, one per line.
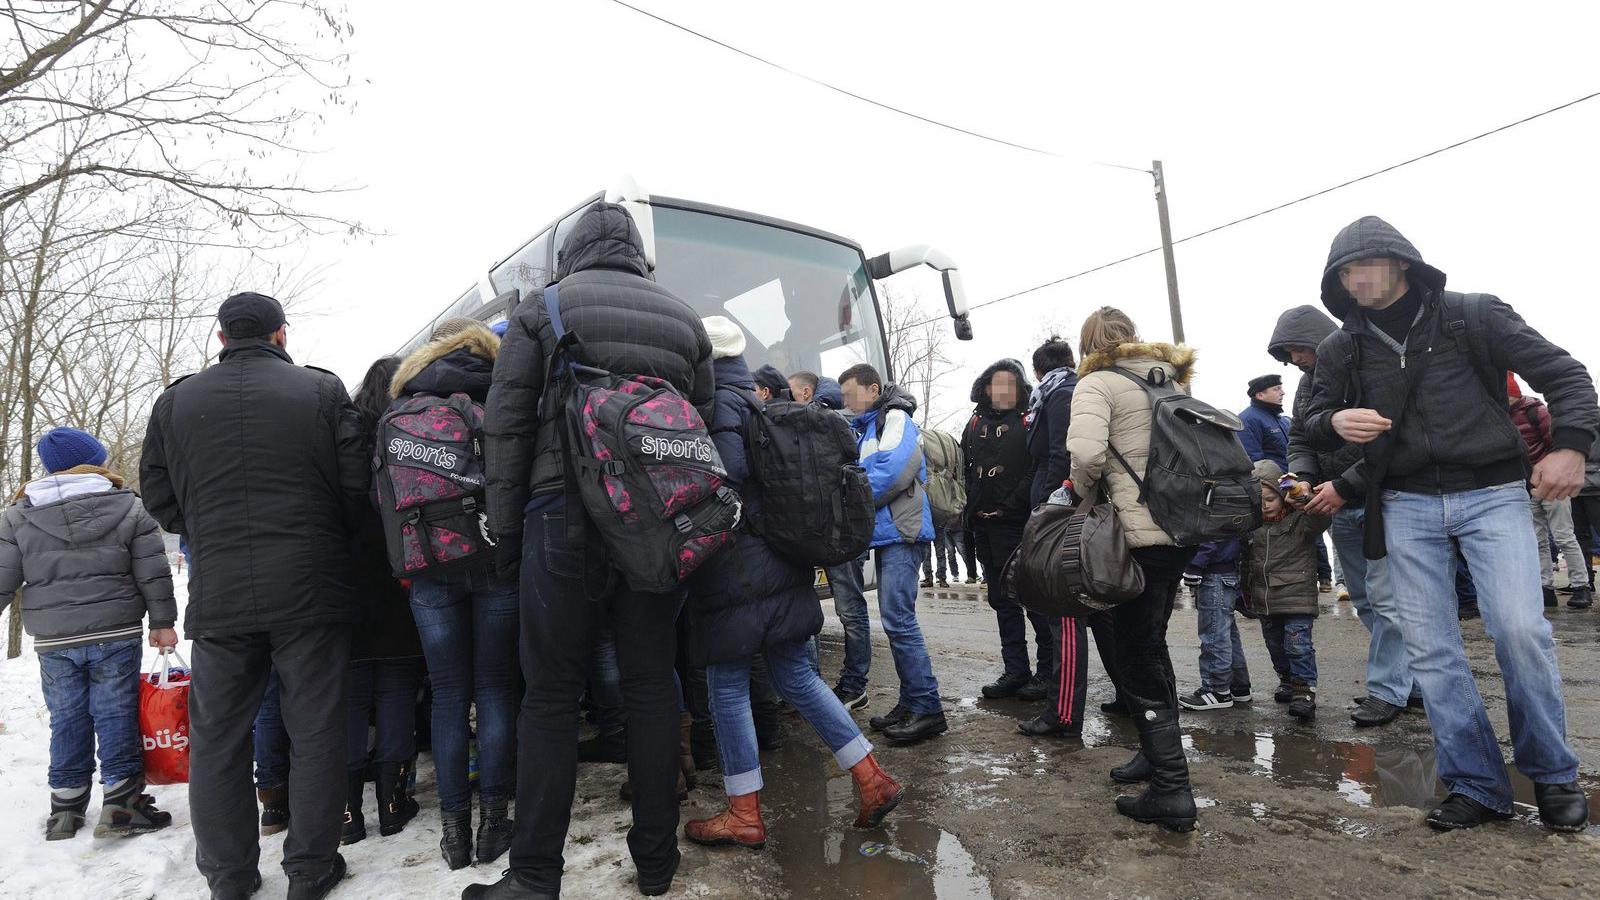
point(1307, 326)
point(747, 598)
point(1049, 415)
point(1456, 434)
point(627, 323)
point(999, 469)
point(258, 463)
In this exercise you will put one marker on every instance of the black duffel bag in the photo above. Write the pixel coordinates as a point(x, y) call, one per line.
point(1073, 561)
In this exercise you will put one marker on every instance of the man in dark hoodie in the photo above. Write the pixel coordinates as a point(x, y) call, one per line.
point(624, 323)
point(1417, 377)
point(999, 478)
point(1390, 687)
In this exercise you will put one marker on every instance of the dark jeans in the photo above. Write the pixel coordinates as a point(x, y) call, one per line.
point(1324, 565)
point(1585, 518)
point(995, 542)
point(850, 603)
point(271, 739)
point(1466, 591)
point(560, 624)
point(93, 692)
point(946, 551)
point(469, 637)
point(1147, 679)
point(605, 687)
point(383, 692)
point(230, 677)
point(1294, 656)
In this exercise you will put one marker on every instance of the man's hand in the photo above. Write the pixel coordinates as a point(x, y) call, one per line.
point(165, 638)
point(1325, 501)
point(1360, 426)
point(1559, 476)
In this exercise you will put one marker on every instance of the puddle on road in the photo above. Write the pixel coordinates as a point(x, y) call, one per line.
point(1363, 774)
point(809, 807)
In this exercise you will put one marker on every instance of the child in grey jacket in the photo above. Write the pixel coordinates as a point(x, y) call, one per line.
point(93, 564)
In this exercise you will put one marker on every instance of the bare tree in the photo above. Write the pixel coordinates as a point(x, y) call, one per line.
point(917, 353)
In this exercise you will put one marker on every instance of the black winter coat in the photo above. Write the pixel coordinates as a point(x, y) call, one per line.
point(627, 323)
point(1049, 416)
point(258, 464)
point(1454, 435)
point(1307, 326)
point(746, 598)
point(999, 468)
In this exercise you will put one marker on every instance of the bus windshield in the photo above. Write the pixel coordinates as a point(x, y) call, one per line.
point(804, 302)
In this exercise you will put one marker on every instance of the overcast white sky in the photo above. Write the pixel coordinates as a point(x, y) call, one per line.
point(484, 120)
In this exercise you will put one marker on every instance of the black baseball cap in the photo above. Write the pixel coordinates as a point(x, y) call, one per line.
point(249, 315)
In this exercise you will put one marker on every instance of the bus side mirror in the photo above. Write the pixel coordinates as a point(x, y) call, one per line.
point(955, 296)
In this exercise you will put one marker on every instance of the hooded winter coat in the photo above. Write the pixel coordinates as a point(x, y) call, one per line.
point(1280, 560)
point(1455, 433)
point(1049, 414)
point(258, 463)
point(627, 324)
point(748, 598)
point(1532, 419)
point(91, 557)
point(1308, 326)
point(1109, 410)
point(999, 474)
point(891, 454)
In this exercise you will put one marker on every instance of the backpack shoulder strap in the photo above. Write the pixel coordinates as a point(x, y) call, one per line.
point(1463, 316)
point(552, 306)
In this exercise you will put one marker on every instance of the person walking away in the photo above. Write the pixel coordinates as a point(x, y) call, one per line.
point(1048, 417)
point(385, 656)
point(994, 445)
point(625, 323)
point(1417, 376)
point(257, 463)
point(1585, 518)
point(947, 498)
point(891, 454)
point(753, 602)
point(1281, 584)
point(1552, 519)
point(94, 566)
point(1334, 477)
point(1224, 674)
point(1112, 412)
point(467, 622)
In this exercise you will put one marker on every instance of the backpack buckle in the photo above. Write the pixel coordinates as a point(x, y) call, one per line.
point(683, 523)
point(613, 467)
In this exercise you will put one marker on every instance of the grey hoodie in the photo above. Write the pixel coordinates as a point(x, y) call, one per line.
point(91, 558)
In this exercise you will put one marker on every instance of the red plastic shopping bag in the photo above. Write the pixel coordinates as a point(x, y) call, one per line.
point(164, 720)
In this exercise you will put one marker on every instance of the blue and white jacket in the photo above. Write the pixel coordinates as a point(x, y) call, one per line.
point(892, 456)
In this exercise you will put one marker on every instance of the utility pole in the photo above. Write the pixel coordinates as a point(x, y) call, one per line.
point(1166, 252)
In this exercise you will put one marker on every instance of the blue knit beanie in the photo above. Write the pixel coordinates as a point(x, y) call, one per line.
point(64, 448)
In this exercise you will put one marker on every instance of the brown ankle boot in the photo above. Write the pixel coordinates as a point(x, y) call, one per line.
point(739, 824)
point(880, 794)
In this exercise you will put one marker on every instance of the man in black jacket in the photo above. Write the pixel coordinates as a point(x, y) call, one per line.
point(257, 463)
point(626, 323)
point(1390, 687)
point(1417, 376)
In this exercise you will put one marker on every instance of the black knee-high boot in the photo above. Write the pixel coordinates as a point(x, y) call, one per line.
point(1167, 801)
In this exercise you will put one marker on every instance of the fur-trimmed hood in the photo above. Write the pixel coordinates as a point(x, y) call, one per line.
point(980, 387)
point(473, 344)
point(1180, 357)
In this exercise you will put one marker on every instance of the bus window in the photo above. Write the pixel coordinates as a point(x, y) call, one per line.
point(529, 270)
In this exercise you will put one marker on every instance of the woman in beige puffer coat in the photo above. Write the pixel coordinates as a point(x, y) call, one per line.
point(1110, 411)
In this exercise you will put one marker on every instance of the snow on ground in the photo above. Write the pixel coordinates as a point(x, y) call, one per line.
point(161, 865)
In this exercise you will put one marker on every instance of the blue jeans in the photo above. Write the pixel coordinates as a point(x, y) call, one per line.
point(1388, 667)
point(850, 603)
point(383, 691)
point(271, 739)
point(1294, 656)
point(1222, 663)
point(897, 609)
point(92, 693)
point(791, 674)
point(1495, 532)
point(470, 640)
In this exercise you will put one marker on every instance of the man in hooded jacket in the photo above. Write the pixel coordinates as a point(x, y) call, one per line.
point(1417, 376)
point(1390, 687)
point(625, 323)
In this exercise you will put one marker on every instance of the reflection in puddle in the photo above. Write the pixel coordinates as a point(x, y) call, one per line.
point(1363, 774)
point(810, 806)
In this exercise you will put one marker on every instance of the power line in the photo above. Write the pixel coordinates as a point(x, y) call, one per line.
point(1269, 210)
point(855, 96)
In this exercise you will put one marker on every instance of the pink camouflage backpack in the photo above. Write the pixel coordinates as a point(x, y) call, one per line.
point(428, 474)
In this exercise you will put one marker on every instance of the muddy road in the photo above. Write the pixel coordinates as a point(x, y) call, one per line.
point(1287, 809)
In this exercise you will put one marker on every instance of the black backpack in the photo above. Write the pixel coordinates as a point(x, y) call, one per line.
point(1199, 484)
point(816, 503)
